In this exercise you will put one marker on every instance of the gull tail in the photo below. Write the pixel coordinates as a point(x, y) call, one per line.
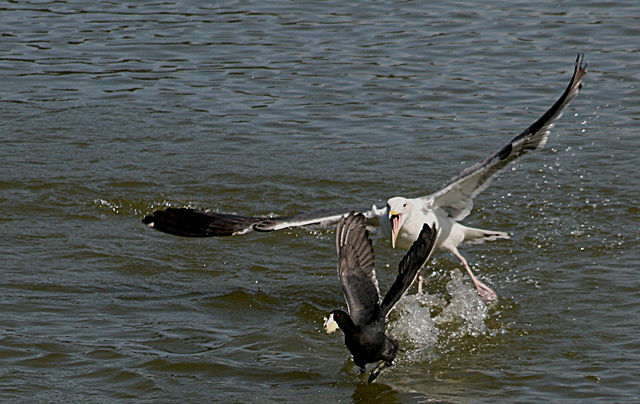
point(479, 236)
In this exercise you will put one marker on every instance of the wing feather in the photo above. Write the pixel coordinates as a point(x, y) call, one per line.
point(190, 222)
point(408, 269)
point(456, 197)
point(356, 269)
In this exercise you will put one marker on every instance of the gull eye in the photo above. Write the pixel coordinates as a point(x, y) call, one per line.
point(404, 206)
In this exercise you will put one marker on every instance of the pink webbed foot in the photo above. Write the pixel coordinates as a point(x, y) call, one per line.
point(485, 292)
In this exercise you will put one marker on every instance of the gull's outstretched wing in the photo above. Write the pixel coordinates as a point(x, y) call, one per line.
point(204, 223)
point(456, 198)
point(408, 269)
point(356, 269)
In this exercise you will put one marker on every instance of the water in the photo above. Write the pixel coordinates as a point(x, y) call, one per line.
point(111, 110)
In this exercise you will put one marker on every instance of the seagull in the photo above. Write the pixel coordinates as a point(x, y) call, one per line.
point(363, 326)
point(402, 217)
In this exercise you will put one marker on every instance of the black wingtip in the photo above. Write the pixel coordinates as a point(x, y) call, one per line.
point(428, 234)
point(422, 247)
point(579, 70)
point(148, 220)
point(189, 222)
point(580, 63)
point(424, 244)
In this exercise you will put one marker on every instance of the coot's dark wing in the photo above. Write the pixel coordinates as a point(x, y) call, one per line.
point(409, 267)
point(456, 197)
point(356, 269)
point(205, 223)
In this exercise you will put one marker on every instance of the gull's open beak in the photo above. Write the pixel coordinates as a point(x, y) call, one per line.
point(394, 217)
point(330, 325)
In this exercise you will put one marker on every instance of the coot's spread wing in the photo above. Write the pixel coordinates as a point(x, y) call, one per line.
point(356, 269)
point(409, 267)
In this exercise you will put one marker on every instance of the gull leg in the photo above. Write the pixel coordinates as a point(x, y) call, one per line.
point(484, 291)
point(420, 280)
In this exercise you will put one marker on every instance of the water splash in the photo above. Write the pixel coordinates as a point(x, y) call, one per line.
point(466, 312)
point(412, 326)
point(421, 323)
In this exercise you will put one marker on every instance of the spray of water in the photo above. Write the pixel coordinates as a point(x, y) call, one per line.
point(422, 322)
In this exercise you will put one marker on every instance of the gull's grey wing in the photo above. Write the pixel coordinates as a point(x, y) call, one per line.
point(456, 197)
point(205, 223)
point(356, 269)
point(409, 266)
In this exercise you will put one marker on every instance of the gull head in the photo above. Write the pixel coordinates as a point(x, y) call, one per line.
point(330, 324)
point(398, 210)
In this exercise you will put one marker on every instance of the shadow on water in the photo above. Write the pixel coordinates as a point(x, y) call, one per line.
point(374, 392)
point(385, 393)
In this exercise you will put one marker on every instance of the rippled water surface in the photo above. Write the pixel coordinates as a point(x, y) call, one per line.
point(109, 110)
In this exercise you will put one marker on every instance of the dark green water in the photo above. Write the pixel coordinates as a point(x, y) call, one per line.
point(111, 110)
